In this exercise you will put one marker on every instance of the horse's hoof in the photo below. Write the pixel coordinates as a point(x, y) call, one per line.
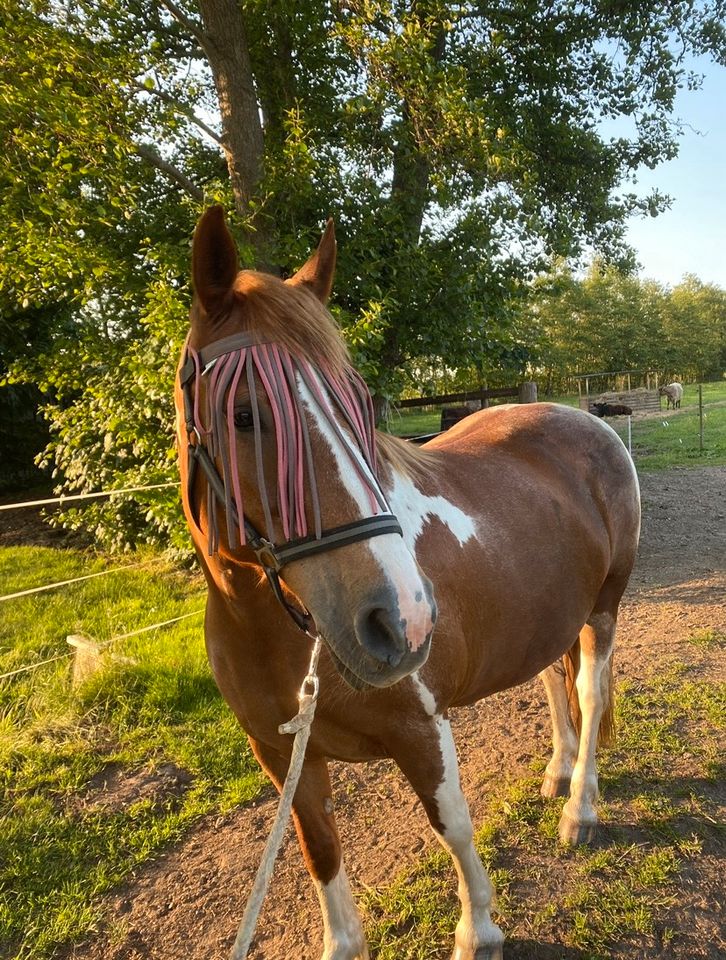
point(555, 786)
point(489, 953)
point(576, 833)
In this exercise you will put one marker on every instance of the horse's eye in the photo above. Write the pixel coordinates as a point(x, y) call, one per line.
point(243, 419)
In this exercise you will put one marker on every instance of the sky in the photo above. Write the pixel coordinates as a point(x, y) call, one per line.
point(690, 237)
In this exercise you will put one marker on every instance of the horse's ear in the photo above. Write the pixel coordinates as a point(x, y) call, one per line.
point(214, 261)
point(317, 274)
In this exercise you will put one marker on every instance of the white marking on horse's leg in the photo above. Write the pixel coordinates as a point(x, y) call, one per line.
point(579, 816)
point(476, 934)
point(556, 782)
point(343, 932)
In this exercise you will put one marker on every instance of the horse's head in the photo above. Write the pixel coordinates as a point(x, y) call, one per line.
point(283, 429)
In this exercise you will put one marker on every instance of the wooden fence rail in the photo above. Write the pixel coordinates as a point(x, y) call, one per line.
point(528, 390)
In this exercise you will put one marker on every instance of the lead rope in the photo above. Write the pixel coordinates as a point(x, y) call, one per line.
point(300, 726)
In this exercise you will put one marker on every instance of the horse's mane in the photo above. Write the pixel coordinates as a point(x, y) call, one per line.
point(291, 315)
point(404, 457)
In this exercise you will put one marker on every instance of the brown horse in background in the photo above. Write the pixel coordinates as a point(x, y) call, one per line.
point(525, 519)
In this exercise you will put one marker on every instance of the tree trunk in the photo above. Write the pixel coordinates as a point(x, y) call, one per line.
point(229, 59)
point(410, 191)
point(410, 185)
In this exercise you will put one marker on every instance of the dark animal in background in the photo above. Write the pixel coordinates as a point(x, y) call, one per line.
point(610, 410)
point(452, 415)
point(673, 393)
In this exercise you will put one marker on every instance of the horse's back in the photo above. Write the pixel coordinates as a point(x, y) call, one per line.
point(544, 439)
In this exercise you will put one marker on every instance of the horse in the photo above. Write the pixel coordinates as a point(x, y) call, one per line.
point(611, 410)
point(673, 393)
point(436, 576)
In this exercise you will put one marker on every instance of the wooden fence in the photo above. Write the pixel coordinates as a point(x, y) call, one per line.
point(525, 392)
point(640, 400)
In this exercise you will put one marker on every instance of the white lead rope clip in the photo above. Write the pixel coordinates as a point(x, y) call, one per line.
point(308, 695)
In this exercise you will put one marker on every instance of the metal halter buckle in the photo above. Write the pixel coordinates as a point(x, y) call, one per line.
point(265, 553)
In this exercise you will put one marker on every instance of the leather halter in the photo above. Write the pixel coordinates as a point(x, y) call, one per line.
point(271, 557)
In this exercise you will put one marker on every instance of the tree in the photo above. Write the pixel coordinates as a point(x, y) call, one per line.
point(457, 145)
point(696, 330)
point(614, 321)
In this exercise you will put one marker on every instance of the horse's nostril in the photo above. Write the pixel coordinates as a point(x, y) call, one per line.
point(382, 636)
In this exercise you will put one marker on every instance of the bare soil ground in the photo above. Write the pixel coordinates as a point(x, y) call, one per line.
point(189, 902)
point(25, 527)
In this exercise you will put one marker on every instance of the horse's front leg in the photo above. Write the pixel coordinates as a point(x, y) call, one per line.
point(343, 937)
point(430, 763)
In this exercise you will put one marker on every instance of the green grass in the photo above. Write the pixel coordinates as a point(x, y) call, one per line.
point(610, 900)
point(708, 638)
point(671, 440)
point(152, 702)
point(416, 422)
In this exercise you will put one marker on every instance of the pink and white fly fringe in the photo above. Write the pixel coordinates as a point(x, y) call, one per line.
point(280, 375)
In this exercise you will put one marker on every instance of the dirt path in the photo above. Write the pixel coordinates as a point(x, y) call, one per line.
point(189, 902)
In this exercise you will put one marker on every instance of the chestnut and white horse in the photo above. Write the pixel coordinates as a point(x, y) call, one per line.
point(436, 576)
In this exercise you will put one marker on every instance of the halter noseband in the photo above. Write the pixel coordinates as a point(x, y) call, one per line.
point(271, 557)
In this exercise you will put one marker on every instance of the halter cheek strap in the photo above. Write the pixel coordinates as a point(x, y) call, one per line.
point(272, 558)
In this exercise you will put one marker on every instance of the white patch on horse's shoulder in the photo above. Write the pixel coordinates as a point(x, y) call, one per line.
point(413, 508)
point(424, 694)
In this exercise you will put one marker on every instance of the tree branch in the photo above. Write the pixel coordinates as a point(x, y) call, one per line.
point(169, 170)
point(191, 26)
point(181, 108)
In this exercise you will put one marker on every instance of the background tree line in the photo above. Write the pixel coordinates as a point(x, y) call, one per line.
point(611, 321)
point(605, 320)
point(457, 145)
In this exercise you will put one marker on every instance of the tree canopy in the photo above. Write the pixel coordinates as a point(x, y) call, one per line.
point(459, 147)
point(610, 321)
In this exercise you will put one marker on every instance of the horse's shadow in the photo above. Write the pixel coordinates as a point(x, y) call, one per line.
point(516, 949)
point(692, 591)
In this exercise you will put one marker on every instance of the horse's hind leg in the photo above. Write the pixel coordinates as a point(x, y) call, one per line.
point(431, 766)
point(556, 782)
point(318, 836)
point(594, 691)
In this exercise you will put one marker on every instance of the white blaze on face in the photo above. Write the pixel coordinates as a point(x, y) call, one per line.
point(391, 553)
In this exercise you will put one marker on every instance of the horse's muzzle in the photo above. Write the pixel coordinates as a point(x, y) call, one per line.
point(386, 646)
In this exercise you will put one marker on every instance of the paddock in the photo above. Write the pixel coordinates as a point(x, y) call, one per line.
point(674, 614)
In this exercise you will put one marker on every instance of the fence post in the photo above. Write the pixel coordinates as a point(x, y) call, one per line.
point(528, 392)
point(700, 417)
point(87, 658)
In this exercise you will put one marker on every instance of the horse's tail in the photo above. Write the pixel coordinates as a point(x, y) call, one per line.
point(571, 662)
